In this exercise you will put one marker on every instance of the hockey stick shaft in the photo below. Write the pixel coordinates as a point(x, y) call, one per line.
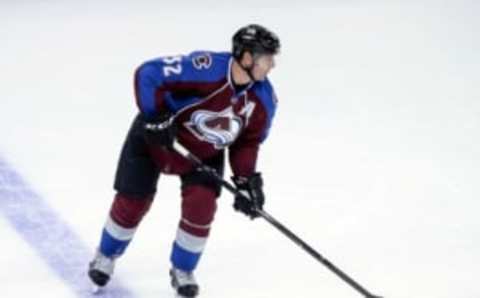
point(279, 226)
point(284, 230)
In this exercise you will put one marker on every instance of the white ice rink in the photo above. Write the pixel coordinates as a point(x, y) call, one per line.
point(373, 158)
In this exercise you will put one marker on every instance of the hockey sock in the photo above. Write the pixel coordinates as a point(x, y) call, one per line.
point(198, 209)
point(121, 225)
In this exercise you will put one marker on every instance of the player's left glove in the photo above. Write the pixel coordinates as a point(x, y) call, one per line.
point(253, 198)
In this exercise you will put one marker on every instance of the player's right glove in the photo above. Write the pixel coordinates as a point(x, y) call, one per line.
point(160, 130)
point(253, 198)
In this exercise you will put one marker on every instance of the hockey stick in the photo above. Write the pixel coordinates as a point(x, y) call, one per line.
point(284, 230)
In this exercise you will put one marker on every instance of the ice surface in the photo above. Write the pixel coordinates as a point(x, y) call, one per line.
point(373, 157)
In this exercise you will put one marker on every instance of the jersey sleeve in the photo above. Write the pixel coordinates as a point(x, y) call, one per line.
point(151, 83)
point(243, 153)
point(157, 80)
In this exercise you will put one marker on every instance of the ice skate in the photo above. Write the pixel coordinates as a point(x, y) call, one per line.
point(183, 283)
point(100, 270)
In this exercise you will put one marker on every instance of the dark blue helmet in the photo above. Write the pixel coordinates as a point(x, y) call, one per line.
point(255, 39)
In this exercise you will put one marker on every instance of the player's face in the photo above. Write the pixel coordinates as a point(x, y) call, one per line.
point(262, 64)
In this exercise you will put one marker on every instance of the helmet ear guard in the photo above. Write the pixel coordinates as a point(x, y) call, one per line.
point(255, 39)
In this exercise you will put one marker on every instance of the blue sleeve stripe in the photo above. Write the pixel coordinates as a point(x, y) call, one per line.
point(270, 113)
point(269, 101)
point(216, 70)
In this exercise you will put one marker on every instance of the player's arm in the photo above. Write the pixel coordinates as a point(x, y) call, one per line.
point(243, 156)
point(244, 152)
point(155, 81)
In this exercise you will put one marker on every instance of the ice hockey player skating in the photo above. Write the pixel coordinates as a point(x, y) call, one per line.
point(206, 101)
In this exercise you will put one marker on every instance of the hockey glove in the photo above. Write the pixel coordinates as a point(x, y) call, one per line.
point(160, 130)
point(253, 197)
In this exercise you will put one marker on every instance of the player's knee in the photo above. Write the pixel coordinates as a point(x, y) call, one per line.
point(199, 204)
point(128, 211)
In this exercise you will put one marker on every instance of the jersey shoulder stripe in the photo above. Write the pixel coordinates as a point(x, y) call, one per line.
point(204, 66)
point(157, 77)
point(264, 91)
point(196, 67)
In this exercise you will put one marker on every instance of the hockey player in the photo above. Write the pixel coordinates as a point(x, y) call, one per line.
point(206, 101)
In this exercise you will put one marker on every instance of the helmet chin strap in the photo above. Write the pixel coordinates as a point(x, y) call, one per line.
point(249, 71)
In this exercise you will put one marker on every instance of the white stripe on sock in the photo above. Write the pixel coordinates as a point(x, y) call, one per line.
point(189, 242)
point(118, 232)
point(193, 225)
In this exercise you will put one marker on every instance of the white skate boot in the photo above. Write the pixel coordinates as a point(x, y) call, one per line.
point(183, 283)
point(100, 269)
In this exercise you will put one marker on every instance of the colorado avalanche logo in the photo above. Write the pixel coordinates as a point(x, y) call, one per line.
point(202, 61)
point(218, 128)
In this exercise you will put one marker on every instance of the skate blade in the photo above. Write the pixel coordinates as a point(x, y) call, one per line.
point(176, 295)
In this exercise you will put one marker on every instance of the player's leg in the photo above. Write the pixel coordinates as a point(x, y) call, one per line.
point(199, 194)
point(135, 182)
